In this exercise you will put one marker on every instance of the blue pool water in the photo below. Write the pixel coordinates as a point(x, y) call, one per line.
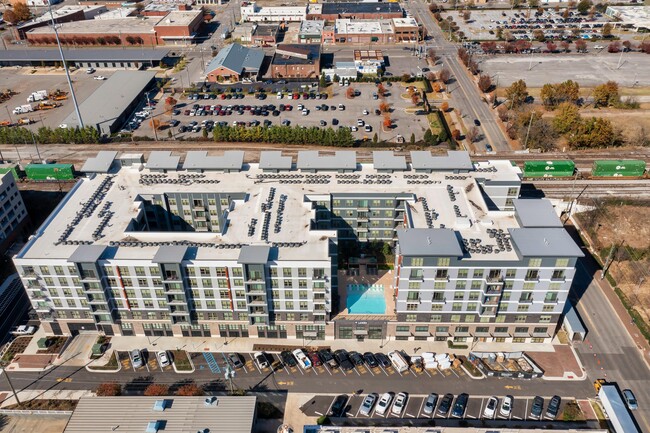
point(365, 299)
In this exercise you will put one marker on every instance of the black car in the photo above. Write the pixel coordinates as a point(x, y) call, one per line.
point(445, 404)
point(235, 360)
point(343, 359)
point(459, 407)
point(356, 358)
point(382, 359)
point(338, 407)
point(327, 358)
point(370, 360)
point(553, 407)
point(477, 122)
point(538, 406)
point(288, 358)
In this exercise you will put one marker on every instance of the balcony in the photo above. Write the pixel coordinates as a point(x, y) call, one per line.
point(439, 300)
point(492, 290)
point(492, 301)
point(494, 280)
point(258, 312)
point(171, 290)
point(30, 274)
point(89, 276)
point(416, 277)
point(257, 302)
point(534, 278)
point(176, 301)
point(171, 277)
point(178, 312)
point(488, 312)
point(558, 279)
point(551, 301)
point(42, 307)
point(96, 300)
point(526, 301)
point(320, 318)
point(319, 289)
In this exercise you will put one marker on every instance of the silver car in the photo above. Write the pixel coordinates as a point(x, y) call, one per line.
point(430, 404)
point(136, 358)
point(368, 404)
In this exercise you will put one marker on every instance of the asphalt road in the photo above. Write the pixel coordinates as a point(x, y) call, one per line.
point(465, 93)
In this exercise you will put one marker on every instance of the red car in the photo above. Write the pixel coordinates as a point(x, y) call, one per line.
point(315, 359)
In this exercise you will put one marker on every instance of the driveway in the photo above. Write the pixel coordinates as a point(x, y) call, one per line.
point(78, 351)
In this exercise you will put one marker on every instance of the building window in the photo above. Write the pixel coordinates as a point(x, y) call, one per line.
point(436, 318)
point(459, 296)
point(457, 306)
point(561, 263)
point(411, 317)
point(455, 318)
point(522, 308)
point(462, 273)
point(545, 319)
point(519, 340)
point(417, 261)
point(444, 261)
point(534, 263)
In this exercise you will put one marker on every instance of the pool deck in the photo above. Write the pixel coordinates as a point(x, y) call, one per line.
point(383, 278)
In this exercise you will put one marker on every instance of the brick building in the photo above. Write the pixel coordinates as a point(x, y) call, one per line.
point(356, 11)
point(234, 63)
point(296, 61)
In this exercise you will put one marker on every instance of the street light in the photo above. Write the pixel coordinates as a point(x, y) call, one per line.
point(229, 374)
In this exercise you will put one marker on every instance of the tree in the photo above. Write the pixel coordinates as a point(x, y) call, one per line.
point(584, 6)
point(489, 47)
point(551, 47)
point(628, 45)
point(415, 98)
point(644, 47)
point(444, 107)
point(431, 52)
point(375, 138)
point(22, 11)
point(455, 134)
point(387, 123)
point(607, 30)
point(428, 137)
point(517, 93)
point(614, 47)
point(467, 15)
point(499, 33)
point(606, 95)
point(442, 136)
point(444, 75)
point(581, 45)
point(484, 83)
point(538, 35)
point(430, 76)
point(567, 118)
point(472, 134)
point(350, 93)
point(595, 132)
point(189, 390)
point(640, 138)
point(384, 107)
point(381, 90)
point(155, 124)
point(533, 4)
point(412, 140)
point(130, 39)
point(554, 94)
point(322, 81)
point(110, 389)
point(170, 103)
point(10, 16)
point(534, 131)
point(565, 46)
point(156, 390)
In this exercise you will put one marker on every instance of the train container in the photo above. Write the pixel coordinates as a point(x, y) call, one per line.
point(49, 171)
point(618, 168)
point(561, 168)
point(6, 168)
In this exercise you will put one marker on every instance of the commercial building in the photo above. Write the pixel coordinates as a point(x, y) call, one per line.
point(87, 57)
point(13, 214)
point(14, 304)
point(163, 414)
point(395, 30)
point(234, 63)
point(117, 13)
point(355, 11)
point(311, 32)
point(296, 61)
point(265, 35)
point(637, 17)
point(252, 12)
point(368, 61)
point(439, 429)
point(112, 103)
point(216, 247)
point(65, 14)
point(177, 27)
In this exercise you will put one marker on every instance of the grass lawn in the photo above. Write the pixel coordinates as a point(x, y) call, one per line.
point(181, 360)
point(434, 123)
point(111, 365)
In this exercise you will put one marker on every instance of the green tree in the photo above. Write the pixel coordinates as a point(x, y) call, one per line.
point(584, 6)
point(554, 94)
point(606, 95)
point(322, 82)
point(443, 136)
point(428, 137)
point(607, 29)
point(412, 139)
point(567, 118)
point(499, 33)
point(375, 138)
point(517, 93)
point(595, 132)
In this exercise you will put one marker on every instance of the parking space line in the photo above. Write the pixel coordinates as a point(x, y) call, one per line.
point(422, 405)
point(456, 374)
point(330, 406)
point(356, 371)
point(426, 372)
point(526, 411)
point(385, 372)
point(254, 363)
point(370, 370)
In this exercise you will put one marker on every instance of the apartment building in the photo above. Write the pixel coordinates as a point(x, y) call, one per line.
point(215, 247)
point(13, 215)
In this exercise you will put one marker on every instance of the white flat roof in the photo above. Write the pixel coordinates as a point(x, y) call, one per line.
point(348, 26)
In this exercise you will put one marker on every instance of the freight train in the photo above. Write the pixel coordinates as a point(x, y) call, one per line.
point(41, 172)
point(608, 168)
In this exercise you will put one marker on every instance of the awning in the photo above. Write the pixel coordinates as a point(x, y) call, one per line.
point(461, 334)
point(541, 334)
point(422, 333)
point(310, 333)
point(360, 332)
point(442, 334)
point(403, 333)
point(501, 334)
point(482, 333)
point(522, 334)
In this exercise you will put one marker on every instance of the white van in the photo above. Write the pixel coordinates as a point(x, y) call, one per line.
point(398, 361)
point(302, 359)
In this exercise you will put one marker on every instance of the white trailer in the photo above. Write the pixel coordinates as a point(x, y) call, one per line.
point(398, 361)
point(23, 109)
point(39, 95)
point(616, 410)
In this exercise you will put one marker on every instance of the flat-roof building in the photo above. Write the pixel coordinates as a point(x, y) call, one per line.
point(210, 245)
point(111, 104)
point(355, 31)
point(354, 10)
point(296, 61)
point(64, 14)
point(252, 12)
point(86, 57)
point(311, 31)
point(163, 414)
point(636, 16)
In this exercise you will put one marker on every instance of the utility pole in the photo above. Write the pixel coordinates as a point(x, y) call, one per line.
point(530, 123)
point(608, 262)
point(229, 374)
point(13, 390)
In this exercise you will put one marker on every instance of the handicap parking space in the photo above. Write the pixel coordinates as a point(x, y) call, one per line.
point(124, 360)
point(152, 362)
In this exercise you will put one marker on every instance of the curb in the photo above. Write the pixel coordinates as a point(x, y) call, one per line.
point(470, 375)
point(119, 366)
point(189, 358)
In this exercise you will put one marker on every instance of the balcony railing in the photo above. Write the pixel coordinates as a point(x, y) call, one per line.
point(531, 278)
point(558, 279)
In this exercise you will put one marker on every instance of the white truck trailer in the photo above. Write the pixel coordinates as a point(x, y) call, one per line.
point(616, 410)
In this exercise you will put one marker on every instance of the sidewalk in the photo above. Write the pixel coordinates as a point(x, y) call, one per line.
point(26, 395)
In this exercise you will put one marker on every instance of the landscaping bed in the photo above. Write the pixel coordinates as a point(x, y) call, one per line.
point(111, 365)
point(17, 347)
point(53, 345)
point(181, 360)
point(45, 404)
point(471, 369)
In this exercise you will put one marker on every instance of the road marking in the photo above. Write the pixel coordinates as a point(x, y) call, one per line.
point(526, 411)
point(409, 415)
point(422, 405)
point(64, 379)
point(382, 369)
point(254, 363)
point(330, 406)
point(287, 383)
point(426, 372)
point(355, 370)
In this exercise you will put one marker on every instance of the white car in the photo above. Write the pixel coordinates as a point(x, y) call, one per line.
point(24, 330)
point(302, 359)
point(400, 403)
point(366, 112)
point(506, 406)
point(163, 359)
point(63, 126)
point(99, 77)
point(598, 47)
point(261, 360)
point(354, 128)
point(490, 407)
point(90, 71)
point(383, 403)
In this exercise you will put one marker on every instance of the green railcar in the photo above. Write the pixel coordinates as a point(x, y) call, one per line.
point(49, 171)
point(618, 168)
point(560, 168)
point(6, 168)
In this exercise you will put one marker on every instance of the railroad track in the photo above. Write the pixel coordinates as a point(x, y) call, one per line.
point(589, 189)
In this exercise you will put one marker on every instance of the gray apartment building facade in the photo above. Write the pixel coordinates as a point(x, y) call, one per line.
point(223, 248)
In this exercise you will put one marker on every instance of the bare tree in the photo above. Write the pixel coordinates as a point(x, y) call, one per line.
point(473, 134)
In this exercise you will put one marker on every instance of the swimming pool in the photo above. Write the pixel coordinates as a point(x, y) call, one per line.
point(365, 299)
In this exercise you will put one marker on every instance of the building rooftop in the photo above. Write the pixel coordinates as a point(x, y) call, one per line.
point(116, 13)
point(440, 429)
point(237, 58)
point(427, 242)
point(112, 26)
point(536, 213)
point(174, 415)
point(199, 160)
point(311, 27)
point(60, 13)
point(405, 22)
point(361, 55)
point(387, 160)
point(101, 163)
point(433, 201)
point(355, 27)
point(296, 54)
point(179, 18)
point(86, 54)
point(109, 101)
point(454, 161)
point(267, 29)
point(360, 8)
point(273, 160)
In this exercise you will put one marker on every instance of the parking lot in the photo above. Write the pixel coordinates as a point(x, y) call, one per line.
point(229, 111)
point(521, 407)
point(150, 363)
point(24, 81)
point(483, 24)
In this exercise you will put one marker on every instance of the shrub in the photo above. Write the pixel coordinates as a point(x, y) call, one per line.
point(110, 389)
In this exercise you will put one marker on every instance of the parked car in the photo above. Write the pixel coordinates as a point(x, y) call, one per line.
point(90, 71)
point(356, 358)
point(488, 148)
point(430, 403)
point(630, 399)
point(382, 359)
point(323, 123)
point(163, 358)
point(136, 358)
point(506, 406)
point(490, 407)
point(400, 403)
point(445, 404)
point(235, 360)
point(327, 358)
point(383, 403)
point(24, 330)
point(288, 359)
point(370, 360)
point(477, 122)
point(343, 359)
point(315, 359)
point(537, 407)
point(338, 407)
point(99, 77)
point(460, 406)
point(261, 360)
point(368, 128)
point(368, 404)
point(553, 407)
point(302, 359)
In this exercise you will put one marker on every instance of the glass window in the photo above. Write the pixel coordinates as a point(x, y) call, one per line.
point(417, 261)
point(534, 263)
point(561, 263)
point(411, 317)
point(444, 261)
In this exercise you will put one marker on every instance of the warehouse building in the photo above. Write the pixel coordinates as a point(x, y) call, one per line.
point(220, 414)
point(112, 103)
point(87, 57)
point(255, 255)
point(64, 14)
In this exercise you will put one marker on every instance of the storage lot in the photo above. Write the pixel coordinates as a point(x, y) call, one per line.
point(404, 123)
point(23, 82)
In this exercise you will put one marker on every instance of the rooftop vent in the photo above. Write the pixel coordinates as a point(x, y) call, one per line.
point(211, 401)
point(154, 426)
point(161, 405)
